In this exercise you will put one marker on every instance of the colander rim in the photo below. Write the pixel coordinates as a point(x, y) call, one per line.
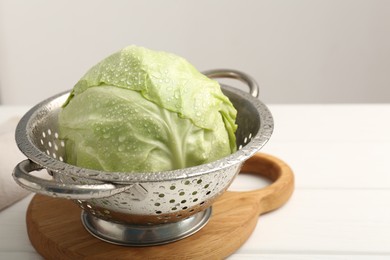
point(33, 153)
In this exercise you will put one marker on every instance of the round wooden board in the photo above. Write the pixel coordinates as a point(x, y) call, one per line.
point(55, 228)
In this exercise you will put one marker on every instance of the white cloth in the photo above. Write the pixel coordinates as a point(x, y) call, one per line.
point(10, 156)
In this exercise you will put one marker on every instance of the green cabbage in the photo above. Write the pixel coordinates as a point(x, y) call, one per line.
point(140, 110)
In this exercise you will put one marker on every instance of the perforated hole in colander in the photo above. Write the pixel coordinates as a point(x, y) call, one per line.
point(53, 146)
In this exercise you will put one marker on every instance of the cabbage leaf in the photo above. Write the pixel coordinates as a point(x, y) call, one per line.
point(142, 110)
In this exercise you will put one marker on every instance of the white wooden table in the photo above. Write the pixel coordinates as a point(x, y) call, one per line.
point(340, 209)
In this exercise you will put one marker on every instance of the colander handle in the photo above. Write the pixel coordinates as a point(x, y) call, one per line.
point(235, 74)
point(52, 188)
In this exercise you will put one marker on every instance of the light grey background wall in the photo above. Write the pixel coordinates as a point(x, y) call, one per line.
point(301, 51)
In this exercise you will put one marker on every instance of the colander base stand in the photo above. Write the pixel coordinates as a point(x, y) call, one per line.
point(144, 235)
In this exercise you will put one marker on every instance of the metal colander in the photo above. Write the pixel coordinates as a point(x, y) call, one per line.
point(139, 208)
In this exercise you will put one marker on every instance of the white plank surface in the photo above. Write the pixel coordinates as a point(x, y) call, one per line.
point(330, 221)
point(14, 242)
point(335, 164)
point(341, 123)
point(340, 207)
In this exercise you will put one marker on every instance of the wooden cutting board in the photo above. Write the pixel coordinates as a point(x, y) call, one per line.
point(55, 229)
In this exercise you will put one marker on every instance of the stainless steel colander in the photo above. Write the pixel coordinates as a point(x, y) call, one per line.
point(139, 208)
